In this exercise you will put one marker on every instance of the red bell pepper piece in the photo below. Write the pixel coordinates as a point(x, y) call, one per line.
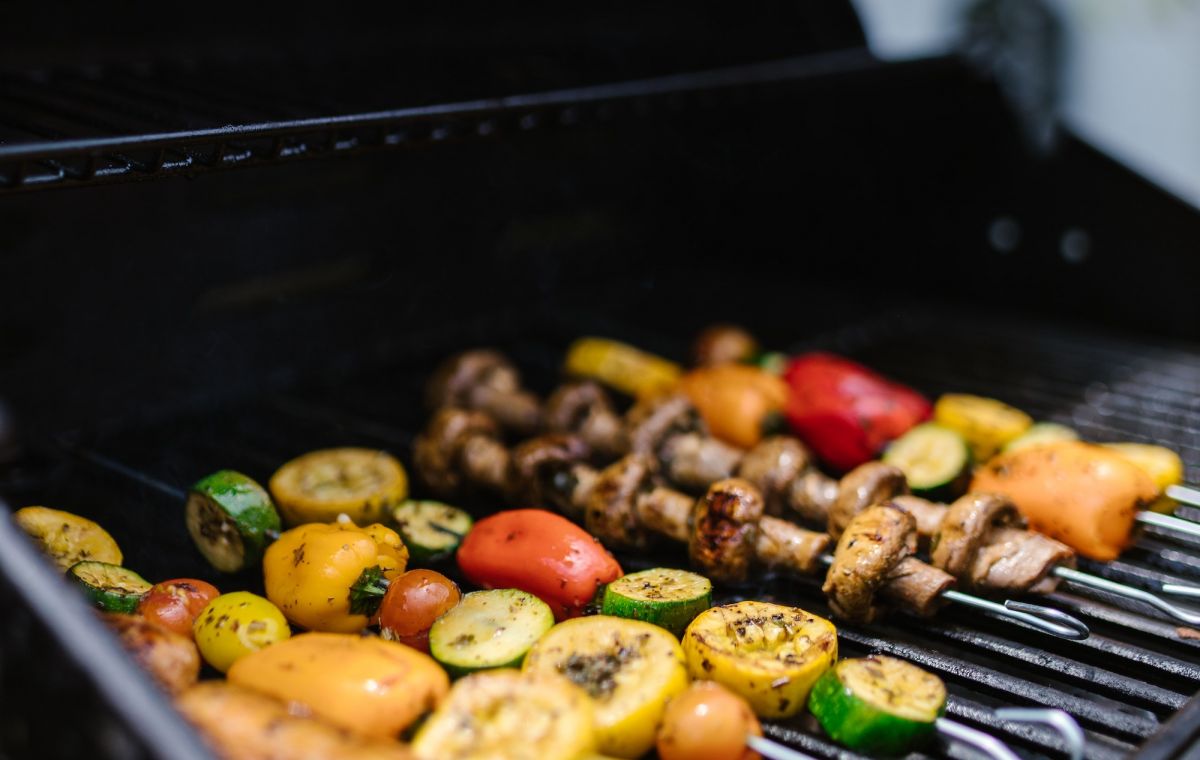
point(846, 412)
point(539, 552)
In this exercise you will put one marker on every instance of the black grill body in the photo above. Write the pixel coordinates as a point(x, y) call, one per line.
point(650, 179)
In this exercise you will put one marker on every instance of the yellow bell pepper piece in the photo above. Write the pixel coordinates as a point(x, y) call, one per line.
point(621, 366)
point(986, 424)
point(366, 685)
point(309, 570)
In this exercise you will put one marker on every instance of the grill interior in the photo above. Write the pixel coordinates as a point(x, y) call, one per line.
point(1123, 684)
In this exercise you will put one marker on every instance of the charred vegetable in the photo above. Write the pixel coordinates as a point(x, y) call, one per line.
point(66, 538)
point(489, 629)
point(987, 424)
point(111, 588)
point(769, 654)
point(176, 604)
point(707, 722)
point(738, 402)
point(231, 520)
point(413, 602)
point(935, 460)
point(431, 530)
point(506, 714)
point(362, 484)
point(878, 704)
point(666, 597)
point(630, 669)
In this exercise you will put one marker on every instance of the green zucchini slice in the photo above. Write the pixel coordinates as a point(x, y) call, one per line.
point(431, 530)
point(489, 629)
point(663, 596)
point(1041, 432)
point(878, 704)
point(231, 520)
point(111, 588)
point(935, 460)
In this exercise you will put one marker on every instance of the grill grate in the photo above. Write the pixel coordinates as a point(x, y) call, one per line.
point(83, 127)
point(1122, 685)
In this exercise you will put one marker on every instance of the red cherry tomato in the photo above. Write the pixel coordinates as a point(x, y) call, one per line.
point(412, 602)
point(707, 722)
point(176, 604)
point(539, 552)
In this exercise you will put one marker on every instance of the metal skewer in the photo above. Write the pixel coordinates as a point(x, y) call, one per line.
point(1045, 619)
point(1137, 594)
point(1058, 720)
point(1170, 522)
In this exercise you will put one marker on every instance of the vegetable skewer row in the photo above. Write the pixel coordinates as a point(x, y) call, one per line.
point(980, 540)
point(727, 533)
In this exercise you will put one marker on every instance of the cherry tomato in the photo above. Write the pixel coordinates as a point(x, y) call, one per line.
point(412, 602)
point(539, 552)
point(707, 722)
point(175, 604)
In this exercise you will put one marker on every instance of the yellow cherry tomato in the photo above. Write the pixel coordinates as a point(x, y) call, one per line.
point(310, 571)
point(234, 625)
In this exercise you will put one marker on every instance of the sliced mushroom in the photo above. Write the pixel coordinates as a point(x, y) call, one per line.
point(984, 545)
point(723, 540)
point(584, 409)
point(927, 514)
point(773, 466)
point(459, 449)
point(549, 471)
point(484, 380)
point(611, 514)
point(873, 559)
point(864, 486)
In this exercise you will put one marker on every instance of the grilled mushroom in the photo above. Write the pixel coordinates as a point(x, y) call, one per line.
point(723, 344)
point(670, 430)
point(984, 545)
point(725, 530)
point(550, 470)
point(773, 466)
point(611, 514)
point(583, 408)
point(874, 558)
point(484, 380)
point(864, 486)
point(459, 449)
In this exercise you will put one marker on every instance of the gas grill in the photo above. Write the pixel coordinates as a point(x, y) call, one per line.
point(566, 183)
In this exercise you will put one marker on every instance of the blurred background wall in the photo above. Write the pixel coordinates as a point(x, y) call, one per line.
point(1130, 72)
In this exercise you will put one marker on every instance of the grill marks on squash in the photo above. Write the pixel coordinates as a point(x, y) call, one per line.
point(597, 673)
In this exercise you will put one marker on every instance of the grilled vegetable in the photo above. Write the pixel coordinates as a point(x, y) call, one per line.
point(489, 629)
point(362, 484)
point(769, 654)
point(630, 669)
point(236, 624)
point(111, 588)
point(506, 714)
point(846, 412)
point(171, 659)
point(176, 604)
point(66, 538)
point(620, 366)
point(540, 552)
point(231, 520)
point(1084, 495)
point(665, 597)
point(368, 686)
point(738, 402)
point(724, 344)
point(1163, 466)
point(707, 722)
point(322, 576)
point(411, 605)
point(878, 704)
point(431, 530)
point(935, 460)
point(1041, 432)
point(239, 724)
point(986, 423)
